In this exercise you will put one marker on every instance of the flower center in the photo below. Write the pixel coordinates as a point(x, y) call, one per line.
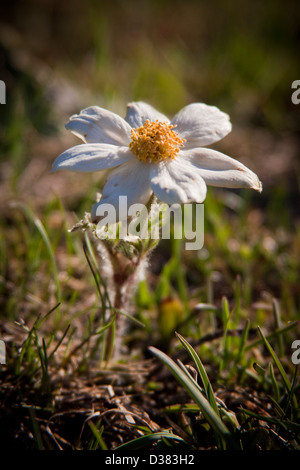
point(155, 141)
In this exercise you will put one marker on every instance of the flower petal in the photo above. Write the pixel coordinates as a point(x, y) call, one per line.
point(131, 180)
point(177, 182)
point(92, 157)
point(138, 112)
point(201, 124)
point(217, 169)
point(96, 124)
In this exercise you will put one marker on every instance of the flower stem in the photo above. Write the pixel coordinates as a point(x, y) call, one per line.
point(125, 270)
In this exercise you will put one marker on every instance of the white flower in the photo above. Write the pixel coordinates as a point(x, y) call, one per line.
point(150, 154)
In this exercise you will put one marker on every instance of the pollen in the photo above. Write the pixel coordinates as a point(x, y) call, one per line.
point(155, 141)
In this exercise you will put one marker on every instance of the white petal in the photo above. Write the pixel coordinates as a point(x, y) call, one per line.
point(92, 157)
point(177, 181)
point(138, 112)
point(201, 124)
point(96, 124)
point(217, 169)
point(131, 180)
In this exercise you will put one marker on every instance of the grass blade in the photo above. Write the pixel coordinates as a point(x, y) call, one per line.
point(272, 335)
point(225, 320)
point(90, 259)
point(42, 231)
point(278, 364)
point(276, 360)
point(201, 371)
point(36, 429)
point(211, 416)
point(274, 382)
point(242, 345)
point(278, 324)
point(98, 436)
point(147, 440)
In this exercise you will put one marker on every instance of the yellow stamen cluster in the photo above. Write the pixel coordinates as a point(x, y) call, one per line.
point(155, 141)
